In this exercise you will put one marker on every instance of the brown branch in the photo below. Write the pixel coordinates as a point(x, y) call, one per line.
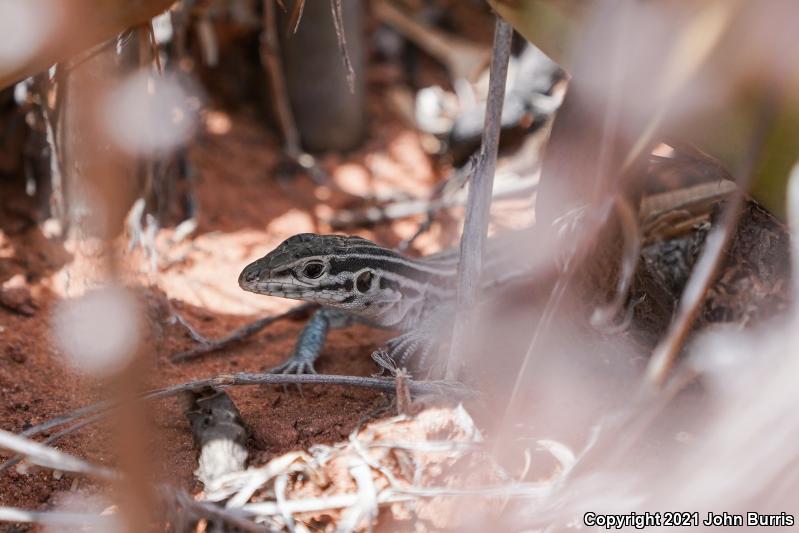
point(446, 389)
point(296, 15)
point(338, 25)
point(479, 200)
point(207, 346)
point(270, 56)
point(211, 512)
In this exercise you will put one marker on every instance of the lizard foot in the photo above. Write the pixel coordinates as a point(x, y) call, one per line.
point(385, 362)
point(404, 347)
point(293, 366)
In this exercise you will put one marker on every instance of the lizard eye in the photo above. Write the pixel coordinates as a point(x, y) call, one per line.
point(313, 270)
point(364, 281)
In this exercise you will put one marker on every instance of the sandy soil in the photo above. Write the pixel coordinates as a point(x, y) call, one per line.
point(244, 212)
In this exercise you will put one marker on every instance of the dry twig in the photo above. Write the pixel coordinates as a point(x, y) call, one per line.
point(207, 346)
point(479, 200)
point(270, 56)
point(100, 410)
point(338, 25)
point(296, 15)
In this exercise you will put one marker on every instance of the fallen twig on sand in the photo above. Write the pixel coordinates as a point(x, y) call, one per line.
point(206, 345)
point(102, 409)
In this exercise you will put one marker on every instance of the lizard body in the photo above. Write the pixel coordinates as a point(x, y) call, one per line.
point(355, 279)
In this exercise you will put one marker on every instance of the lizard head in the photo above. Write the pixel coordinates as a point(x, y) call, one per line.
point(331, 270)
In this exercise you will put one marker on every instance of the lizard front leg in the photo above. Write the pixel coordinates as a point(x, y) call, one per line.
point(311, 340)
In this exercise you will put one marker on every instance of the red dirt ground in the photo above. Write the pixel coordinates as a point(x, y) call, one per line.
point(243, 215)
point(244, 212)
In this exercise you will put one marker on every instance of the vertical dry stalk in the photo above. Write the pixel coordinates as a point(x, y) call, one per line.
point(338, 25)
point(479, 201)
point(270, 55)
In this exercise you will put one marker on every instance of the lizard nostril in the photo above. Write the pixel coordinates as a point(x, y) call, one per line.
point(248, 275)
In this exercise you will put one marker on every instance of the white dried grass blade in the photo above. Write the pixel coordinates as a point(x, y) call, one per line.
point(365, 507)
point(315, 505)
point(280, 496)
point(793, 218)
point(48, 457)
point(245, 483)
point(12, 514)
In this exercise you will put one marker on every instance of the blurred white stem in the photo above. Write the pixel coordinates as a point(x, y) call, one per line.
point(793, 222)
point(51, 458)
point(11, 514)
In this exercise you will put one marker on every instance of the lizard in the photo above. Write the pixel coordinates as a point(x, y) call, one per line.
point(357, 280)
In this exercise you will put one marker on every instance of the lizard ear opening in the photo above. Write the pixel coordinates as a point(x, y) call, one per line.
point(364, 281)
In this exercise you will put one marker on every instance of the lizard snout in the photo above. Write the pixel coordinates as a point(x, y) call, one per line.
point(249, 276)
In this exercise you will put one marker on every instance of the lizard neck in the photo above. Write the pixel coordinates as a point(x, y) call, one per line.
point(403, 287)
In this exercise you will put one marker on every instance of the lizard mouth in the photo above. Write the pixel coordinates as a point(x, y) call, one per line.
point(292, 292)
point(276, 288)
point(252, 279)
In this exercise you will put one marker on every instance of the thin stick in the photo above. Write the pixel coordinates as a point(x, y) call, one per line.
point(707, 266)
point(338, 25)
point(207, 346)
point(211, 511)
point(154, 47)
point(479, 200)
point(429, 207)
point(296, 15)
point(270, 56)
point(387, 385)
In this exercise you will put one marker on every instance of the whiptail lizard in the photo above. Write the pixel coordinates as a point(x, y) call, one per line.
point(356, 280)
